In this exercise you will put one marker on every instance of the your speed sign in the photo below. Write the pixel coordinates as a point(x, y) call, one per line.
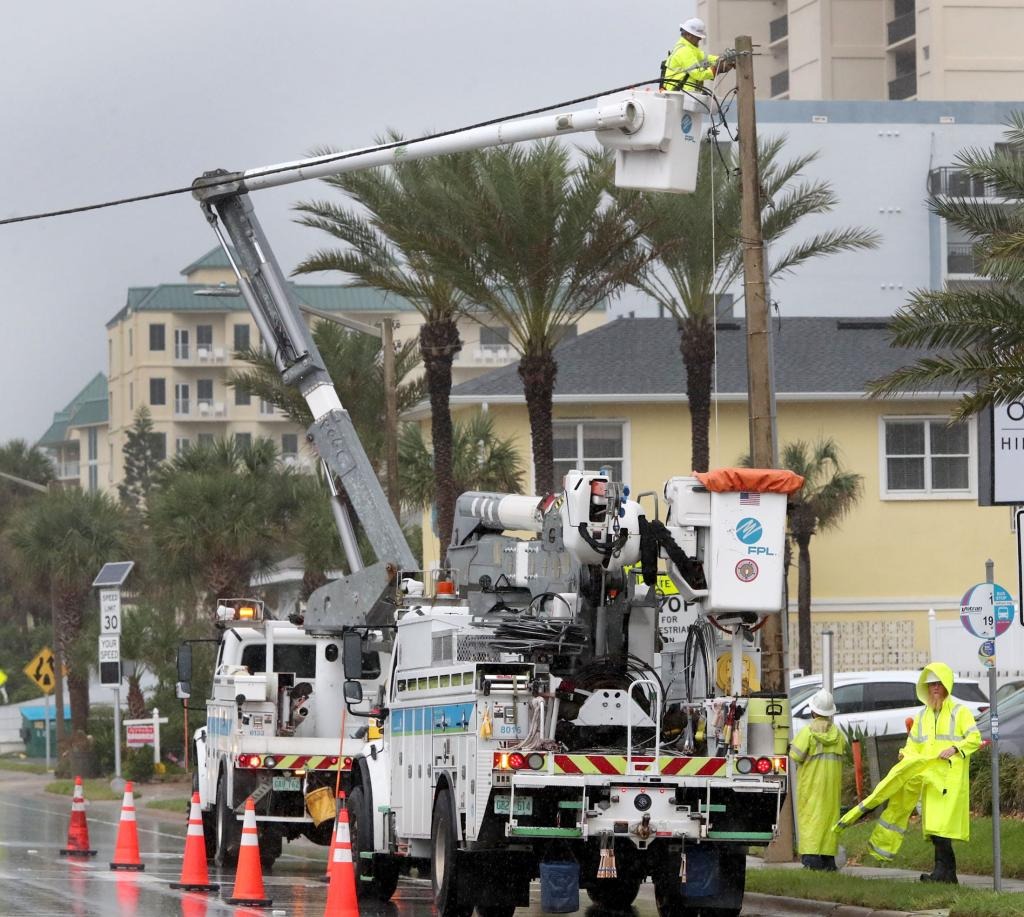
point(986, 610)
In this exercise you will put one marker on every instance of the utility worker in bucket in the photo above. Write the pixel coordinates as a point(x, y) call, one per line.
point(687, 66)
point(819, 751)
point(945, 730)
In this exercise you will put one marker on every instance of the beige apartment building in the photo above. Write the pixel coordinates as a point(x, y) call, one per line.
point(877, 49)
point(171, 348)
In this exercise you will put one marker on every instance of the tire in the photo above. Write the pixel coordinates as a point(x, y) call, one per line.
point(229, 832)
point(271, 842)
point(443, 848)
point(209, 822)
point(615, 895)
point(495, 910)
point(360, 826)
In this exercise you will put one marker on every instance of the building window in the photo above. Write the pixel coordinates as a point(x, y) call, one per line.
point(131, 396)
point(181, 444)
point(94, 478)
point(926, 457)
point(242, 397)
point(289, 445)
point(131, 342)
point(241, 337)
point(204, 394)
point(493, 336)
point(243, 440)
point(204, 341)
point(158, 391)
point(182, 404)
point(181, 343)
point(92, 439)
point(156, 337)
point(158, 443)
point(206, 439)
point(589, 446)
point(266, 407)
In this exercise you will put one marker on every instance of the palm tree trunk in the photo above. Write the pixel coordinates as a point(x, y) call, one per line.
point(69, 617)
point(136, 700)
point(804, 600)
point(439, 343)
point(538, 372)
point(697, 346)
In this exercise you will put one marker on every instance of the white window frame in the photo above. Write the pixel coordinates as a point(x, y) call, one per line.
point(971, 493)
point(580, 422)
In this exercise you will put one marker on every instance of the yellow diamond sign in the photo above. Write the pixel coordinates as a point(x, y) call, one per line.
point(41, 670)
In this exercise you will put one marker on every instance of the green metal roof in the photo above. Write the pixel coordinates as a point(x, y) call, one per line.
point(213, 259)
point(88, 408)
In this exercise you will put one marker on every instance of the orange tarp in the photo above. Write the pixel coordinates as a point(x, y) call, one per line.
point(756, 480)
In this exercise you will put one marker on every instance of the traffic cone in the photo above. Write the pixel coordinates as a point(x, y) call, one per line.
point(339, 802)
point(249, 875)
point(341, 894)
point(194, 875)
point(78, 828)
point(126, 851)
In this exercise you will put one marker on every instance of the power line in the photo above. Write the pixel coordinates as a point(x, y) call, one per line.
point(334, 157)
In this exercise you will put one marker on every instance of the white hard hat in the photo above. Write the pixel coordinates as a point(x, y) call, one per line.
point(695, 27)
point(822, 704)
point(932, 678)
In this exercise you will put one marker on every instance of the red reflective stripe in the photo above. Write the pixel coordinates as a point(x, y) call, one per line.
point(713, 766)
point(566, 765)
point(674, 766)
point(602, 764)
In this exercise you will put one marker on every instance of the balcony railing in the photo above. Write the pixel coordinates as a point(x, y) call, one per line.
point(68, 471)
point(902, 27)
point(780, 83)
point(962, 259)
point(903, 87)
point(954, 182)
point(182, 406)
point(778, 29)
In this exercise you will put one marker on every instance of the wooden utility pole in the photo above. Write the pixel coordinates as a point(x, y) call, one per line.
point(387, 343)
point(760, 379)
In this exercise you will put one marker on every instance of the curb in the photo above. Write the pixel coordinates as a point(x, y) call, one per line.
point(810, 906)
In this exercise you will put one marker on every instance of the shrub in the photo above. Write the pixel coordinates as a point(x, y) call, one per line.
point(137, 764)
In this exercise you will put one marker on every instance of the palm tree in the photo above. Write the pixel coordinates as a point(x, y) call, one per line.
point(482, 461)
point(828, 494)
point(220, 513)
point(61, 540)
point(397, 208)
point(17, 457)
point(541, 247)
point(696, 246)
point(979, 331)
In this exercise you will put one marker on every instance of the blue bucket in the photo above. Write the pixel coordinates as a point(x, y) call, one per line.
point(559, 888)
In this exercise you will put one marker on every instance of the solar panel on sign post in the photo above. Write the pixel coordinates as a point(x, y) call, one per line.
point(113, 574)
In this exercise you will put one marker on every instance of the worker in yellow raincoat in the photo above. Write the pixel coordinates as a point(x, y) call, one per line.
point(819, 751)
point(933, 769)
point(687, 66)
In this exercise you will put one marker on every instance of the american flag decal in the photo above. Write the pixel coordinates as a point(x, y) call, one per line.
point(749, 499)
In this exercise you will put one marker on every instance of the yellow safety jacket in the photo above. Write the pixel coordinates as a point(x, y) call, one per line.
point(678, 64)
point(819, 752)
point(945, 811)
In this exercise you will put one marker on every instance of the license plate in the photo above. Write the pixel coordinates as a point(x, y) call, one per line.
point(524, 805)
point(287, 783)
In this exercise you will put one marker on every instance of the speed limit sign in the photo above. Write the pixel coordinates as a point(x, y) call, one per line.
point(110, 611)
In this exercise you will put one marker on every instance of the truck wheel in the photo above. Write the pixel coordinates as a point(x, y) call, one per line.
point(615, 896)
point(360, 827)
point(229, 833)
point(209, 822)
point(271, 842)
point(495, 910)
point(443, 877)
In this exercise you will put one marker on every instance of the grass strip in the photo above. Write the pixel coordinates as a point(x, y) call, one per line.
point(24, 767)
point(892, 894)
point(97, 790)
point(179, 804)
point(973, 857)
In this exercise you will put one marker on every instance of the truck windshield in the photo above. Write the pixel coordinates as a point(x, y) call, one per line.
point(298, 658)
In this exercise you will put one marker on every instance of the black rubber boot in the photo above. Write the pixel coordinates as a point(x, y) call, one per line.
point(945, 862)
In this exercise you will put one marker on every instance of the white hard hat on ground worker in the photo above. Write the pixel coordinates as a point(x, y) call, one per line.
point(822, 704)
point(695, 27)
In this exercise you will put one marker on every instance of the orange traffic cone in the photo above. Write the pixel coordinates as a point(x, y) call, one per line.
point(126, 851)
point(249, 875)
point(194, 875)
point(341, 894)
point(78, 828)
point(339, 802)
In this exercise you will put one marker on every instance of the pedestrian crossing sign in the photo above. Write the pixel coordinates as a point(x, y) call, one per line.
point(41, 670)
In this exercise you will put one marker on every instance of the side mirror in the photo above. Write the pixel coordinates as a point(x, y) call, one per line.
point(185, 662)
point(352, 656)
point(353, 692)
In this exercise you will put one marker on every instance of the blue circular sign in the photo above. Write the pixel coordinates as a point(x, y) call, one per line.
point(749, 530)
point(687, 123)
point(986, 610)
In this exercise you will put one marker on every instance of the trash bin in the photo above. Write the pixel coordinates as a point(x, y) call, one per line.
point(33, 729)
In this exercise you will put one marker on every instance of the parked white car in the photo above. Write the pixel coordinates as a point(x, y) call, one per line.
point(876, 702)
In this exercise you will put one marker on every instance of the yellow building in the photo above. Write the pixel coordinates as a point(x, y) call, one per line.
point(916, 540)
point(76, 441)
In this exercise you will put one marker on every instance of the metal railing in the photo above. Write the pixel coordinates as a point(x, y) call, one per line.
point(780, 83)
point(903, 87)
point(962, 259)
point(778, 29)
point(954, 182)
point(901, 27)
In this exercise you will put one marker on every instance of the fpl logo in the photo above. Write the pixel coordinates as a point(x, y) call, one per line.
point(749, 531)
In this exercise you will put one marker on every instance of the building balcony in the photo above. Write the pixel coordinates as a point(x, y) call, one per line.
point(67, 471)
point(182, 407)
point(962, 260)
point(200, 356)
point(778, 31)
point(903, 87)
point(212, 410)
point(780, 83)
point(953, 182)
point(901, 28)
point(488, 355)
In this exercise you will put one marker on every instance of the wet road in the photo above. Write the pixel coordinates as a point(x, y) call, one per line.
point(35, 881)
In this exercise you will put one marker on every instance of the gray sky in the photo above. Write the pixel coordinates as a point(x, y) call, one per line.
point(113, 98)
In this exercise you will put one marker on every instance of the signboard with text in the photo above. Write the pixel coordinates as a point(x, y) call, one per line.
point(140, 735)
point(986, 610)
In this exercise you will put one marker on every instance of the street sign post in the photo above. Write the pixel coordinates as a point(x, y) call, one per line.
point(110, 611)
point(109, 581)
point(110, 660)
point(41, 670)
point(143, 732)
